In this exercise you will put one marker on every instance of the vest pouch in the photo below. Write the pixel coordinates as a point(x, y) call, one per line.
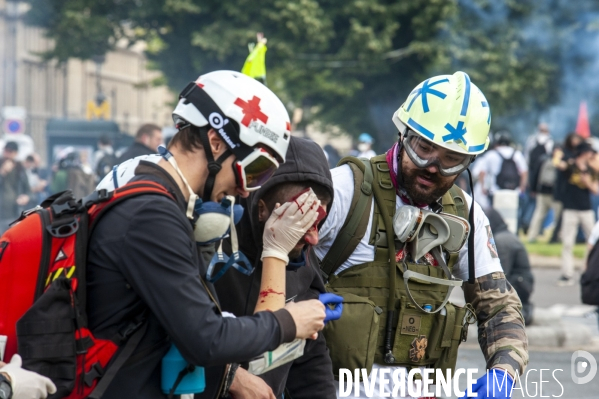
point(412, 336)
point(352, 340)
point(453, 335)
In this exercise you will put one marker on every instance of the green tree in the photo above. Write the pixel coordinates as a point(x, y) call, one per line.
point(348, 63)
point(336, 58)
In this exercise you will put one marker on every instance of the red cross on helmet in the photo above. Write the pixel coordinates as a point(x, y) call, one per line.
point(248, 117)
point(260, 115)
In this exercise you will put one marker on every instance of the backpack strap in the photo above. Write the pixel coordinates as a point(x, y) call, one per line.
point(97, 209)
point(98, 203)
point(356, 222)
point(454, 202)
point(118, 362)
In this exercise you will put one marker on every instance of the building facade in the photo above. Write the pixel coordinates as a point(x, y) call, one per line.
point(52, 90)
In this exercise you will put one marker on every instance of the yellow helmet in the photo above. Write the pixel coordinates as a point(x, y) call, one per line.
point(448, 110)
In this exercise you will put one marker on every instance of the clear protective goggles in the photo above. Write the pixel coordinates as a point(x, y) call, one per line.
point(424, 153)
point(255, 169)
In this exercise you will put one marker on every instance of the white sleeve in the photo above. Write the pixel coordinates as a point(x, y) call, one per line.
point(486, 259)
point(594, 236)
point(479, 166)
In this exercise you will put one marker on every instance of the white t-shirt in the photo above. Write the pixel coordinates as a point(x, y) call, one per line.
point(486, 259)
point(490, 163)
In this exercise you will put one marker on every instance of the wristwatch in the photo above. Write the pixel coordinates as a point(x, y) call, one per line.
point(5, 388)
point(229, 379)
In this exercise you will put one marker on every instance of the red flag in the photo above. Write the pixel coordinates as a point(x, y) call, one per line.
point(582, 126)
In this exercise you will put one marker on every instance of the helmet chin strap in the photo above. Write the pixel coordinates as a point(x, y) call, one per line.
point(214, 166)
point(166, 154)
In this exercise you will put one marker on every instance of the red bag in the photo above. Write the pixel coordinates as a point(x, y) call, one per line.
point(42, 292)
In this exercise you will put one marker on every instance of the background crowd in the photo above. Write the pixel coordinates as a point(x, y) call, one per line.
point(556, 185)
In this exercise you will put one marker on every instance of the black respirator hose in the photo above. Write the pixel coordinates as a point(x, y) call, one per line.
point(471, 272)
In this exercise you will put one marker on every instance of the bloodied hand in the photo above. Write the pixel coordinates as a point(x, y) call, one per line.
point(287, 224)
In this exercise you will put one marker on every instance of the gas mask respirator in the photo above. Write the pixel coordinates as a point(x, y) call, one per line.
point(220, 215)
point(422, 231)
point(214, 219)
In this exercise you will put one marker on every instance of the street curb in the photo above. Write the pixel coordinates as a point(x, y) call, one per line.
point(560, 336)
point(549, 330)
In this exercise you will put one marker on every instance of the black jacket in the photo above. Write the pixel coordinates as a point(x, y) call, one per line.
point(136, 149)
point(512, 255)
point(311, 375)
point(142, 256)
point(12, 185)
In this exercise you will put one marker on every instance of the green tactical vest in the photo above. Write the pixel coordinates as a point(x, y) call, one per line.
point(416, 337)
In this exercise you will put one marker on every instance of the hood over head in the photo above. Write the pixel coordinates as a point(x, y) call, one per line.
point(305, 162)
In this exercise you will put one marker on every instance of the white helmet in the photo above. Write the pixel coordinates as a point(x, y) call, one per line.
point(248, 117)
point(259, 116)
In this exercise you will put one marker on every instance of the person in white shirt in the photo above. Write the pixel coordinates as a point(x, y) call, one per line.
point(441, 131)
point(489, 166)
point(364, 150)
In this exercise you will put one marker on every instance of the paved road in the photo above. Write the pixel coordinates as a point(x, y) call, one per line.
point(565, 302)
point(552, 360)
point(557, 309)
point(546, 293)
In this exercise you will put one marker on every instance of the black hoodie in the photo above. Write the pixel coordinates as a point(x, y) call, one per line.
point(310, 376)
point(512, 255)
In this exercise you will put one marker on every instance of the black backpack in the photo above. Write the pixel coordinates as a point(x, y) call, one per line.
point(536, 155)
point(105, 165)
point(508, 177)
point(589, 281)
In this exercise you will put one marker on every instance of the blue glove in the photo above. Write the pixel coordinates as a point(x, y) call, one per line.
point(497, 382)
point(328, 298)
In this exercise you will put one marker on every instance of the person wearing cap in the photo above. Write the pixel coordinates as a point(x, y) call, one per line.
point(396, 303)
point(14, 186)
point(142, 256)
point(364, 147)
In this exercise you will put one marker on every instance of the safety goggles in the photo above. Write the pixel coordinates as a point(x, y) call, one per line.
point(425, 153)
point(255, 169)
